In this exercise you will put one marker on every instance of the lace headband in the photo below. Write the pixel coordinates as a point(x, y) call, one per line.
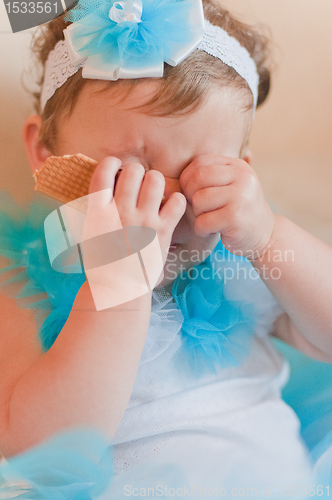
point(126, 45)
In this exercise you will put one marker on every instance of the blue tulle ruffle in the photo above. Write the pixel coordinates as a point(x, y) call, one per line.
point(73, 465)
point(309, 393)
point(22, 240)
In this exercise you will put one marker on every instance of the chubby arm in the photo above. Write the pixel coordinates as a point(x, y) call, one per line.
point(84, 379)
point(297, 269)
point(285, 330)
point(87, 376)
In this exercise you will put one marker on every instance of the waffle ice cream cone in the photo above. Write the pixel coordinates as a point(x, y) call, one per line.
point(67, 178)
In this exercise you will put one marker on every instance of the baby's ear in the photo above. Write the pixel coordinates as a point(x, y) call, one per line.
point(247, 156)
point(36, 152)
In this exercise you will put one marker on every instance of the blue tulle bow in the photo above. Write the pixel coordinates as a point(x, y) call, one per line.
point(132, 38)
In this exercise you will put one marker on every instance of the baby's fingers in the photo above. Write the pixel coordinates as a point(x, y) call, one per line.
point(152, 191)
point(173, 209)
point(103, 180)
point(102, 214)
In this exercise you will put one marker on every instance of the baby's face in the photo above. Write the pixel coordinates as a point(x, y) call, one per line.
point(101, 125)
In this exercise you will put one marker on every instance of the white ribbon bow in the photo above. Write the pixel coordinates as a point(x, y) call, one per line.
point(128, 10)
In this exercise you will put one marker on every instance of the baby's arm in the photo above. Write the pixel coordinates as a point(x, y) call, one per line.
point(87, 376)
point(304, 288)
point(227, 197)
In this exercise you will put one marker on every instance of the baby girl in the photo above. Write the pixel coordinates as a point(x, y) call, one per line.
point(183, 380)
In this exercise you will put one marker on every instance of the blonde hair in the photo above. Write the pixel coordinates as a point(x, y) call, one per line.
point(182, 88)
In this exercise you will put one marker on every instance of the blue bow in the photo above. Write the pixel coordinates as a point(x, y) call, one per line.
point(132, 38)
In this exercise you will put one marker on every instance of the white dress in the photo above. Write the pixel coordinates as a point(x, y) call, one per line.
point(184, 433)
point(226, 430)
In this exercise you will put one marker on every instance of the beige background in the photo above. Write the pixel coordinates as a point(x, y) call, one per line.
point(291, 139)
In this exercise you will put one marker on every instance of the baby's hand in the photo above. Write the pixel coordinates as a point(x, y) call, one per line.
point(136, 202)
point(227, 197)
point(138, 197)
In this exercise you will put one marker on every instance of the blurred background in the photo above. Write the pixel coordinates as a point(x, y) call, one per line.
point(292, 135)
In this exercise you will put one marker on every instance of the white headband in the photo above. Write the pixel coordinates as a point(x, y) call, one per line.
point(63, 61)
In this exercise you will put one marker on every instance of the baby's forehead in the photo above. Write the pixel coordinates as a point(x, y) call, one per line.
point(153, 97)
point(122, 93)
point(113, 121)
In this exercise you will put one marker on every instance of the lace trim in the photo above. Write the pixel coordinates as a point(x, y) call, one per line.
point(58, 69)
point(218, 43)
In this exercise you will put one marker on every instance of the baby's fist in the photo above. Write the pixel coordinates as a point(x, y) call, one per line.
point(228, 198)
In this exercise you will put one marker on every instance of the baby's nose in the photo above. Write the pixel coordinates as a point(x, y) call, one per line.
point(171, 185)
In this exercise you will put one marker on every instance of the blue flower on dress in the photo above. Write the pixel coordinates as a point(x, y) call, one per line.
point(132, 38)
point(216, 331)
